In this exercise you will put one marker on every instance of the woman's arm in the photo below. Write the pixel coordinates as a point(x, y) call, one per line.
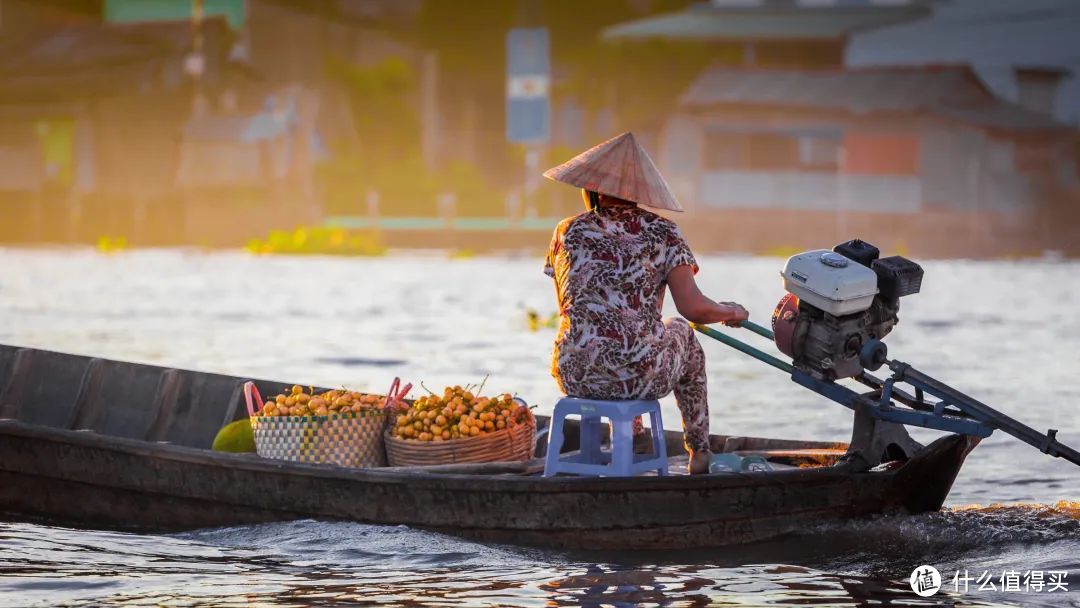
point(694, 306)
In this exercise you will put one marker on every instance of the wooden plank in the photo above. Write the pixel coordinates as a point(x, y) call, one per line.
point(86, 505)
point(119, 398)
point(203, 404)
point(8, 408)
point(172, 387)
point(43, 387)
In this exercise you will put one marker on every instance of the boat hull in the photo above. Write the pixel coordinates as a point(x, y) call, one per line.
point(94, 443)
point(83, 479)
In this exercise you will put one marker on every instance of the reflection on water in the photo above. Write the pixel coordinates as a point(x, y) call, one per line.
point(360, 322)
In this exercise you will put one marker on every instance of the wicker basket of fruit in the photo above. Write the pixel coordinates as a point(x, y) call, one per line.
point(337, 427)
point(461, 427)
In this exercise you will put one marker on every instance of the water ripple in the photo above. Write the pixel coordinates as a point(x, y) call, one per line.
point(333, 563)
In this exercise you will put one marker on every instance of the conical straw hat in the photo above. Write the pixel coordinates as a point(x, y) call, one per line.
point(618, 167)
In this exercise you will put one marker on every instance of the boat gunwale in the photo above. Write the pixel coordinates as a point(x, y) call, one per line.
point(253, 463)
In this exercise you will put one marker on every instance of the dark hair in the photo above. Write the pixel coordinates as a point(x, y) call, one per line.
point(594, 200)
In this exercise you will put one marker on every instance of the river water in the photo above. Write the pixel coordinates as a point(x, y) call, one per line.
point(1003, 332)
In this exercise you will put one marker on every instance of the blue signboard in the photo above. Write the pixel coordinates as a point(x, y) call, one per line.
point(528, 85)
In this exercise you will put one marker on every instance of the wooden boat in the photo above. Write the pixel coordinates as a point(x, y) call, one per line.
point(95, 443)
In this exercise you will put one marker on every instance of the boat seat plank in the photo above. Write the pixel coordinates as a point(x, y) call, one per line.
point(42, 387)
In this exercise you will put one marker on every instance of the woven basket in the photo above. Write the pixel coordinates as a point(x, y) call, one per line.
point(515, 443)
point(354, 440)
point(350, 440)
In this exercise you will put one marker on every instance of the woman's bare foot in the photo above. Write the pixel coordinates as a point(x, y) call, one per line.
point(699, 463)
point(642, 443)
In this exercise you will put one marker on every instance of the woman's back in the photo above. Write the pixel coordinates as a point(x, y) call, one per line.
point(610, 267)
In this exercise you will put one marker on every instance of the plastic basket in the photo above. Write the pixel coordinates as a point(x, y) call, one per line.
point(347, 440)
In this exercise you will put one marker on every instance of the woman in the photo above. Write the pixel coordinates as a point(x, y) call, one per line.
point(612, 265)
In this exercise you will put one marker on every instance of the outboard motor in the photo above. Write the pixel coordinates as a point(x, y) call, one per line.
point(839, 304)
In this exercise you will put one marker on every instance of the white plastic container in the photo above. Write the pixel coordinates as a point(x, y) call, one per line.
point(830, 281)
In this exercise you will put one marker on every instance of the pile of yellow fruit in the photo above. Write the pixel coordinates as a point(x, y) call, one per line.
point(458, 414)
point(338, 402)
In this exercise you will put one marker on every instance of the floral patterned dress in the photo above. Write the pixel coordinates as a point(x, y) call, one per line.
point(610, 268)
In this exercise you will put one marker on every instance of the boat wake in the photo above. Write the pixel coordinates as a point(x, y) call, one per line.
point(299, 562)
point(967, 527)
point(994, 538)
point(315, 543)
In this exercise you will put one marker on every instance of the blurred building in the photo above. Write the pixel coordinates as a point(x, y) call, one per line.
point(870, 140)
point(173, 120)
point(994, 37)
point(781, 123)
point(91, 114)
point(1025, 52)
point(290, 40)
point(785, 146)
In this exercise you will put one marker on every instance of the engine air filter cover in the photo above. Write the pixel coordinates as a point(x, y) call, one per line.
point(819, 279)
point(898, 276)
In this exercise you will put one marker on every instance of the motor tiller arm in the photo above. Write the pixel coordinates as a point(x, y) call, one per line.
point(953, 412)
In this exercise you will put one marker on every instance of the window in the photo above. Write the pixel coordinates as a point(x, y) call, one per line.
point(881, 154)
point(772, 151)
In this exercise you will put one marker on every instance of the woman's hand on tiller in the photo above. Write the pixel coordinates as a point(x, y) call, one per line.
point(737, 314)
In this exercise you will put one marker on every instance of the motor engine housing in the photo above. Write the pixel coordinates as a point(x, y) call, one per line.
point(837, 301)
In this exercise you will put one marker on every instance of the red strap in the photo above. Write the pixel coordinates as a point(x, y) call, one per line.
point(395, 395)
point(249, 389)
point(400, 397)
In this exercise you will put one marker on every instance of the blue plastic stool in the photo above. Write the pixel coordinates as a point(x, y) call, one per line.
point(621, 460)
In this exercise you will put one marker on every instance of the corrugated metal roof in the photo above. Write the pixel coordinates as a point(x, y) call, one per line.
point(776, 22)
point(987, 32)
point(950, 92)
point(991, 35)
